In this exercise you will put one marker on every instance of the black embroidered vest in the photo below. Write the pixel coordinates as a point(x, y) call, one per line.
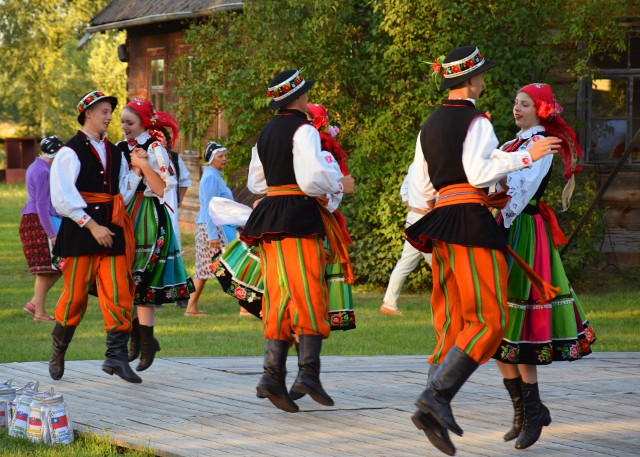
point(294, 215)
point(73, 240)
point(441, 138)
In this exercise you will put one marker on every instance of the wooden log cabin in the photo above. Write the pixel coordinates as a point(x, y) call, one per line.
point(607, 109)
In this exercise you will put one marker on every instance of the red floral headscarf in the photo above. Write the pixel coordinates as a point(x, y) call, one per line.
point(548, 111)
point(327, 142)
point(319, 113)
point(153, 120)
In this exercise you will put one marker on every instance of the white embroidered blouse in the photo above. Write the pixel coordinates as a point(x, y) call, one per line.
point(159, 160)
point(523, 184)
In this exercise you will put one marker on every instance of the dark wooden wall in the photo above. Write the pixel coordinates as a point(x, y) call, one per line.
point(621, 207)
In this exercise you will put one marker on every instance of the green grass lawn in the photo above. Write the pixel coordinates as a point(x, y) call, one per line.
point(84, 446)
point(610, 300)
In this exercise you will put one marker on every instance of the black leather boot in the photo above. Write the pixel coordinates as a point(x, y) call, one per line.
point(271, 385)
point(134, 342)
point(536, 416)
point(60, 339)
point(116, 357)
point(297, 395)
point(436, 433)
point(308, 379)
point(149, 347)
point(514, 387)
point(445, 384)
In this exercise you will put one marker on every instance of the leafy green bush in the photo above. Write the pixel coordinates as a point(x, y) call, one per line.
point(372, 61)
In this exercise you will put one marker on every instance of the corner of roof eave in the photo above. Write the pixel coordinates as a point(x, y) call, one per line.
point(121, 25)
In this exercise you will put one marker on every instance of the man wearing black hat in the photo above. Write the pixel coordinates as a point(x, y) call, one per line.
point(457, 155)
point(90, 184)
point(288, 226)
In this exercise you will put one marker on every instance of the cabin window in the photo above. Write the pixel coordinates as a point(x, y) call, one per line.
point(157, 85)
point(613, 106)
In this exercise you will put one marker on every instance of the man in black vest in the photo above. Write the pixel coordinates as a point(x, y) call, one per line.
point(288, 225)
point(90, 185)
point(457, 155)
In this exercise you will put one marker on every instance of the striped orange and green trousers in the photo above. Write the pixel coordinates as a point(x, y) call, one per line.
point(295, 299)
point(469, 300)
point(110, 275)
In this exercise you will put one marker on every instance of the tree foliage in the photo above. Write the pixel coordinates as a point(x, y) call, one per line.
point(43, 74)
point(372, 61)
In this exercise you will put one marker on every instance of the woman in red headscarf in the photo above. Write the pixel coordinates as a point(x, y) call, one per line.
point(539, 332)
point(158, 269)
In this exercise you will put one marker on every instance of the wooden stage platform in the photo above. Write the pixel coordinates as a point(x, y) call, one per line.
point(207, 407)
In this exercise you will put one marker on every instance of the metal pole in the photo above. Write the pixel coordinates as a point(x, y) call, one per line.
point(603, 189)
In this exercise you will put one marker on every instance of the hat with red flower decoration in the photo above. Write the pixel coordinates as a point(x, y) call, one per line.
point(459, 65)
point(286, 87)
point(91, 98)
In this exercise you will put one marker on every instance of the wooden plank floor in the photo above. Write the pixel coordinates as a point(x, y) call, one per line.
point(208, 407)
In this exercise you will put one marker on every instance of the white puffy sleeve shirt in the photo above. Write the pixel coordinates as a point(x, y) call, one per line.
point(158, 159)
point(485, 164)
point(309, 164)
point(66, 198)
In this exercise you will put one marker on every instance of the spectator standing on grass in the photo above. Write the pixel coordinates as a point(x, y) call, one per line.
point(210, 238)
point(39, 227)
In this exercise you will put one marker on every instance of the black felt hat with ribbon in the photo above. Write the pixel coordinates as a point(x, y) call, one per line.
point(91, 98)
point(286, 87)
point(461, 64)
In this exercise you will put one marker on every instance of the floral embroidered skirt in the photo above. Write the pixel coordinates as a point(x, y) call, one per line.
point(158, 268)
point(240, 275)
point(540, 333)
point(35, 245)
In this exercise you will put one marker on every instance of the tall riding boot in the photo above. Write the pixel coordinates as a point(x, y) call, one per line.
point(272, 384)
point(445, 384)
point(436, 433)
point(116, 357)
point(297, 395)
point(149, 347)
point(60, 339)
point(514, 387)
point(536, 416)
point(134, 342)
point(308, 379)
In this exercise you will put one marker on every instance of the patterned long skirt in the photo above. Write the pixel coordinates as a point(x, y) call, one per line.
point(204, 252)
point(158, 267)
point(541, 332)
point(35, 245)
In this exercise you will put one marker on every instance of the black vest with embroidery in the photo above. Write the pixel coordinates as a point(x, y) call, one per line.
point(293, 215)
point(442, 137)
point(73, 240)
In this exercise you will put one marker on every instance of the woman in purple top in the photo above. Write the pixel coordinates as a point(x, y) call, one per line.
point(39, 227)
